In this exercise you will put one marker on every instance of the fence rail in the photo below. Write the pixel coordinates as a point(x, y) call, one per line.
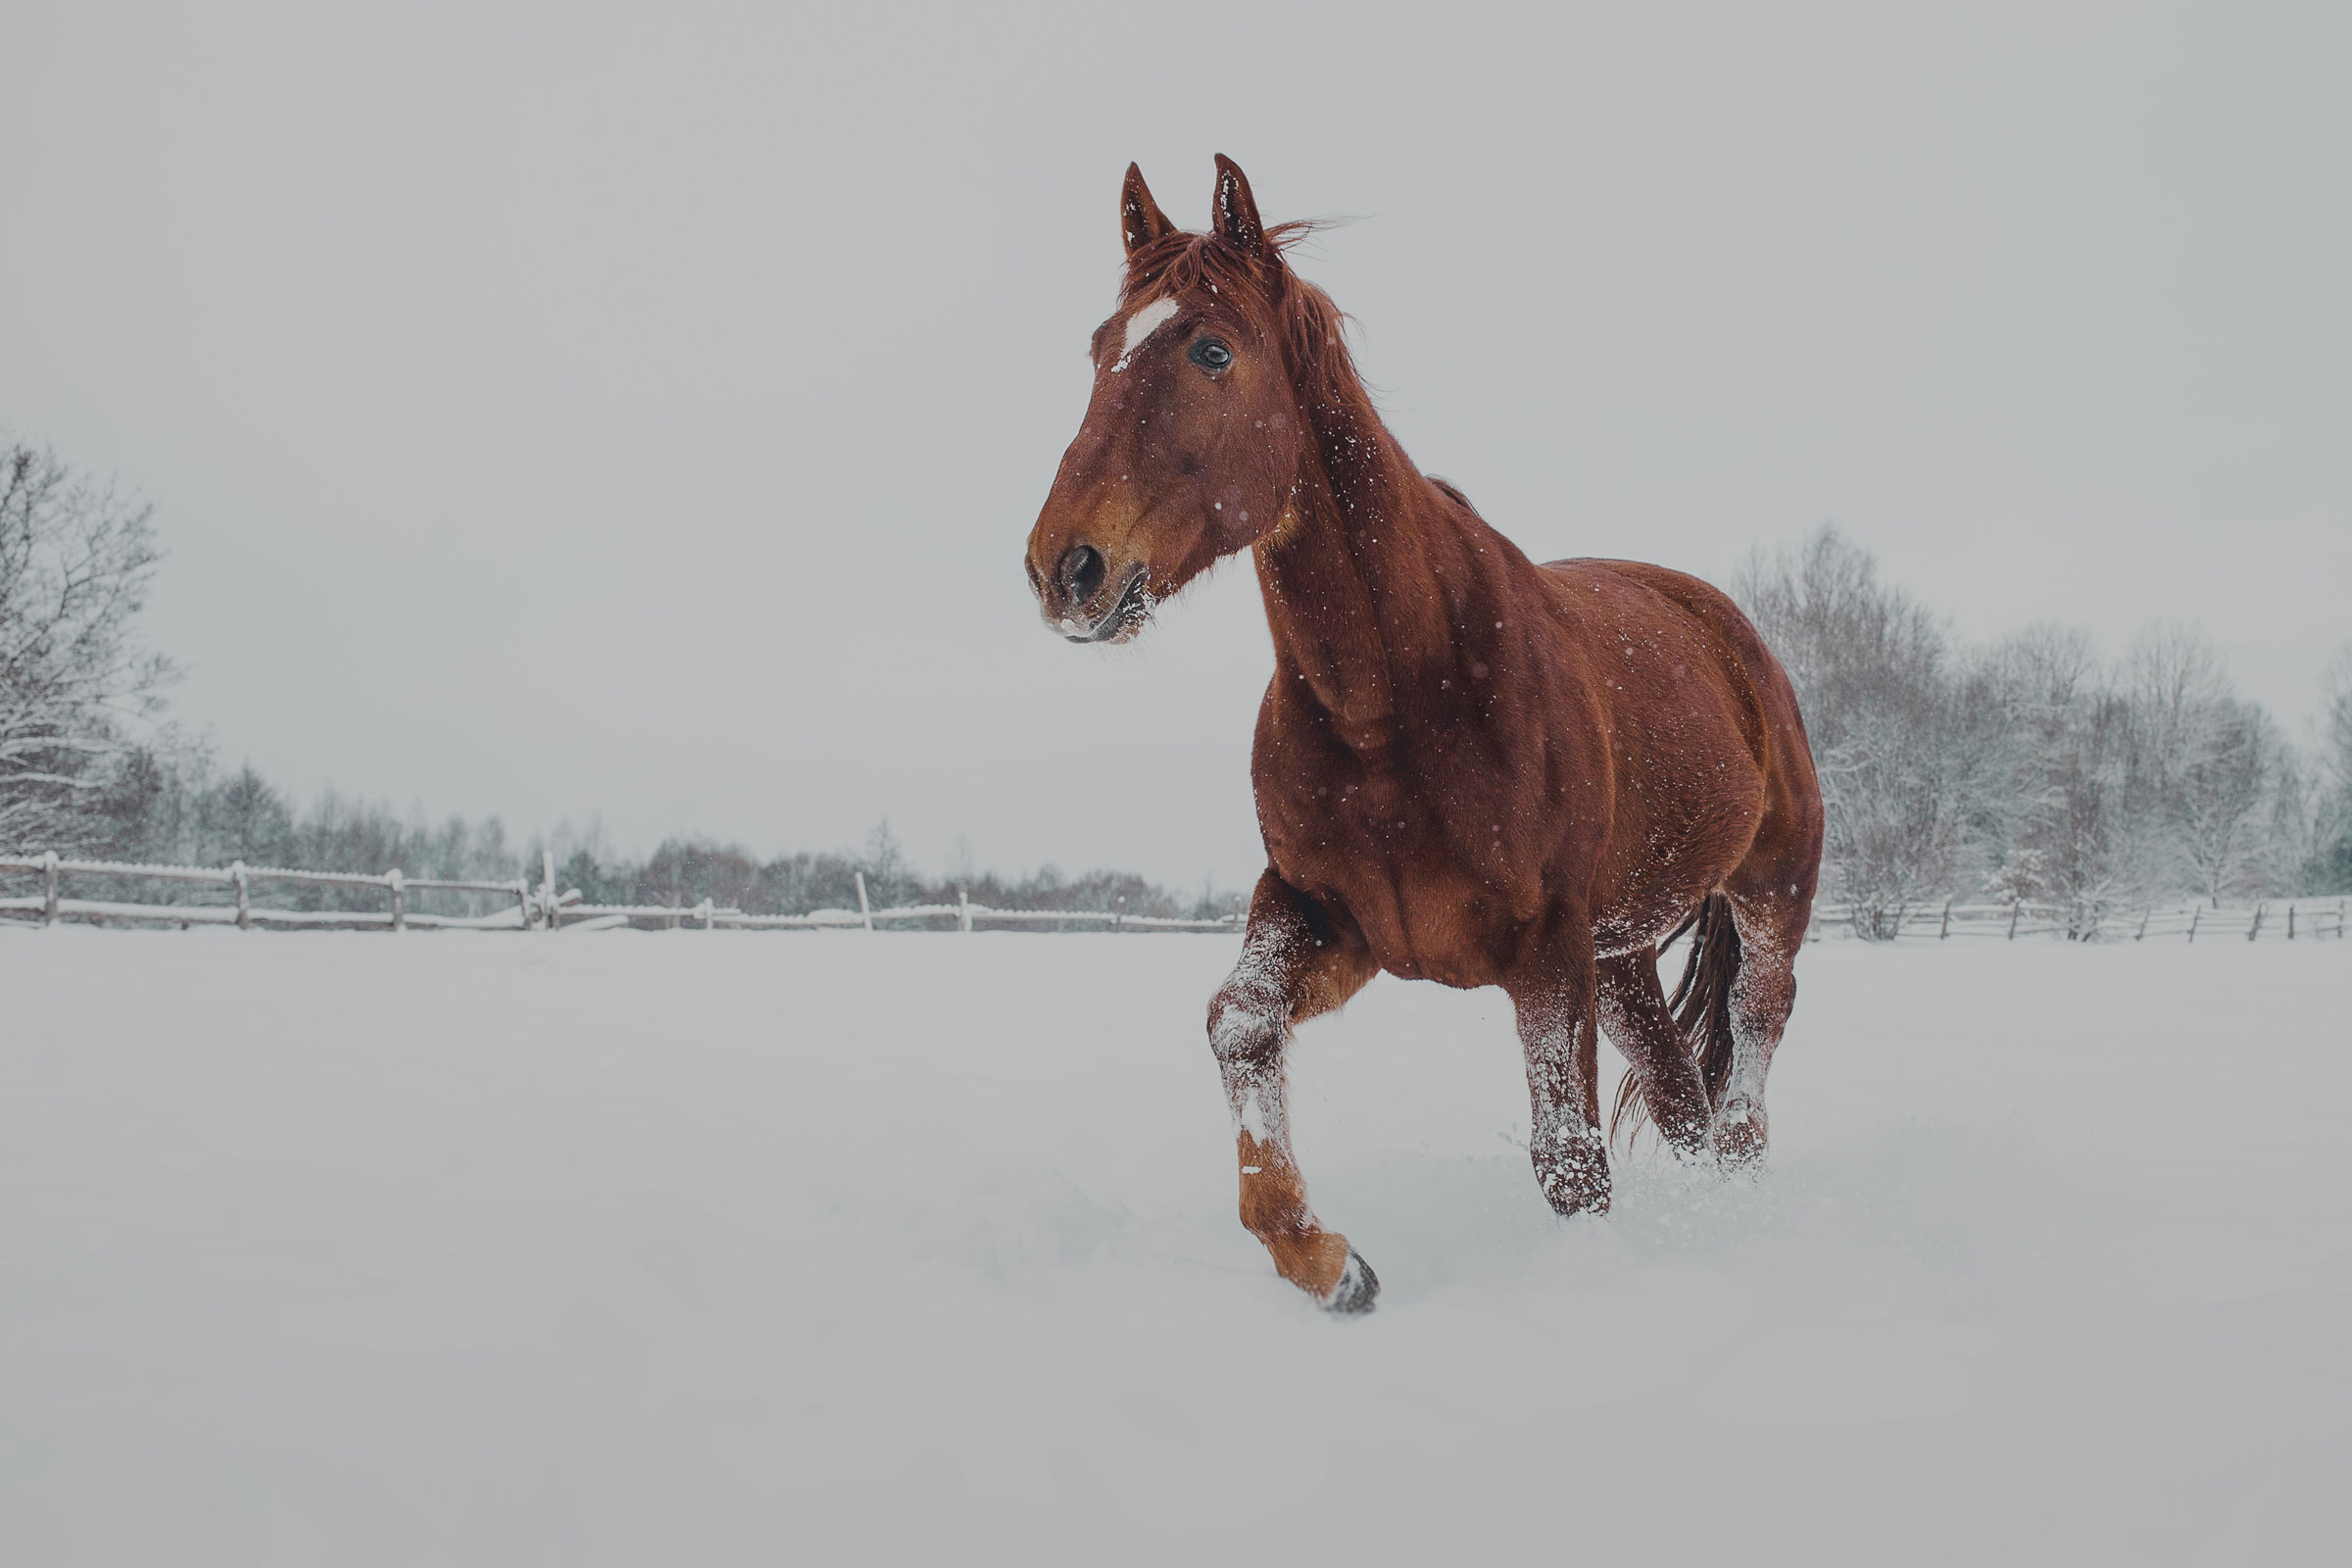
point(543, 908)
point(536, 908)
point(2273, 919)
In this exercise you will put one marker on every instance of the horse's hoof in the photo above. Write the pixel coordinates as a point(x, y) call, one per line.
point(1568, 1203)
point(1572, 1193)
point(1357, 1290)
point(1739, 1135)
point(1686, 1141)
point(1574, 1173)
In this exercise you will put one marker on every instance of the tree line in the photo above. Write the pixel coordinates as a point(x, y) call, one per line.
point(2026, 768)
point(175, 807)
point(2030, 769)
point(91, 767)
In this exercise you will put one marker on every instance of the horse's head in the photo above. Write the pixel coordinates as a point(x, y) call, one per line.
point(1193, 439)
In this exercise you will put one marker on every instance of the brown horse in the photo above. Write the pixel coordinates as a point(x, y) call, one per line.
point(1469, 768)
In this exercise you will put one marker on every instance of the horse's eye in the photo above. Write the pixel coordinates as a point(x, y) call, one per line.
point(1210, 355)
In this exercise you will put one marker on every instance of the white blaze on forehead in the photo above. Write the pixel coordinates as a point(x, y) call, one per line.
point(1142, 324)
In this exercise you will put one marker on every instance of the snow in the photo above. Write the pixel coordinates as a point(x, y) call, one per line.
point(723, 1247)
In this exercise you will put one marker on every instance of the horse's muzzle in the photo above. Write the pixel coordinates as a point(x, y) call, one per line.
point(1076, 603)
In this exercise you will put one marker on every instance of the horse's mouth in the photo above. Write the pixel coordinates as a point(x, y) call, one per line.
point(1124, 619)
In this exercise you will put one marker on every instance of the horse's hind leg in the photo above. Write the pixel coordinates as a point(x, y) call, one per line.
point(1633, 1010)
point(1296, 962)
point(1771, 920)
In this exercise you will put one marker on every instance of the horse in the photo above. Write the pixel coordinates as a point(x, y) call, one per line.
point(1468, 767)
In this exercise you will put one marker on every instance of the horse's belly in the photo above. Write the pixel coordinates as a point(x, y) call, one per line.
point(1424, 919)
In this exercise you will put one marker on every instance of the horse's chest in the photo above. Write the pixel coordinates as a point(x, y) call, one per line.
point(1428, 905)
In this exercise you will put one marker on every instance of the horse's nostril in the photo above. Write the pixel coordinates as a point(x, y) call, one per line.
point(1081, 573)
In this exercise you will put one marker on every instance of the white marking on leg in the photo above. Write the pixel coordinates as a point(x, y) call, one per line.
point(1142, 324)
point(1762, 962)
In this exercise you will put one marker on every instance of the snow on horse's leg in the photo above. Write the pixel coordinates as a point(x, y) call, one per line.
point(1763, 995)
point(1286, 975)
point(1559, 1032)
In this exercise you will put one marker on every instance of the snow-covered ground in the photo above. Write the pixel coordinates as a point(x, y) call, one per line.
point(703, 1248)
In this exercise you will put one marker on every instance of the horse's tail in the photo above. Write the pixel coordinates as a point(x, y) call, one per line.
point(1702, 1005)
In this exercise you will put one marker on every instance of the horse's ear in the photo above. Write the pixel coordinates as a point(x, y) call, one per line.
point(1141, 221)
point(1236, 210)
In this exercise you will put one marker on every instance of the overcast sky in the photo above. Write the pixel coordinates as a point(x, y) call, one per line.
point(556, 413)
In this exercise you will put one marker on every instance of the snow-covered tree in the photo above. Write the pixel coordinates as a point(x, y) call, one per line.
point(76, 562)
point(2052, 825)
point(2328, 867)
point(1881, 706)
point(2229, 770)
point(2031, 769)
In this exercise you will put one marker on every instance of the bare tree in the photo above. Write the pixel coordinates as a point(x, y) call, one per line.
point(2228, 766)
point(889, 877)
point(2330, 864)
point(2050, 826)
point(2172, 680)
point(76, 561)
point(2070, 830)
point(1870, 669)
point(2336, 717)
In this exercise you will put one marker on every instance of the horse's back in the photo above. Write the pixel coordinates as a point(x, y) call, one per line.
point(1756, 672)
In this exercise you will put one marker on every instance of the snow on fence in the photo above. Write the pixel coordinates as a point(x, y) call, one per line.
point(50, 904)
point(2276, 920)
point(542, 907)
point(536, 908)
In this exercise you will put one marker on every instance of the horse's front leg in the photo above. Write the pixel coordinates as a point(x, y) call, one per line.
point(1297, 960)
point(1556, 996)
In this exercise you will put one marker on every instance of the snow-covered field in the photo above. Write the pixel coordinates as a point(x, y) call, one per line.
point(712, 1248)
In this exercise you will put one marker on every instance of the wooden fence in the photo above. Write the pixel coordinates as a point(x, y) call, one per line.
point(539, 907)
point(2276, 920)
point(50, 904)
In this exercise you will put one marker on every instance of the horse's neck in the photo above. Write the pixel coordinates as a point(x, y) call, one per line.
point(1352, 585)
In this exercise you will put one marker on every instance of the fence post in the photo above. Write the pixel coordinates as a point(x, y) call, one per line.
point(547, 888)
point(1118, 917)
point(2195, 912)
point(865, 911)
point(522, 897)
point(2015, 905)
point(400, 914)
point(2255, 930)
point(704, 909)
point(2290, 923)
point(1947, 929)
point(48, 887)
point(963, 908)
point(236, 877)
